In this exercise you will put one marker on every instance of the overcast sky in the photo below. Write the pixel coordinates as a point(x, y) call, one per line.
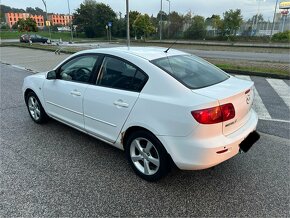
point(198, 7)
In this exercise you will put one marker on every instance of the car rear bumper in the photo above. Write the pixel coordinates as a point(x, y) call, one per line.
point(190, 153)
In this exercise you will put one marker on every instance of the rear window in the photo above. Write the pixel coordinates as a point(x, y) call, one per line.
point(193, 72)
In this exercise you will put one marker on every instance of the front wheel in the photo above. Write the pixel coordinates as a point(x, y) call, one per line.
point(147, 156)
point(35, 108)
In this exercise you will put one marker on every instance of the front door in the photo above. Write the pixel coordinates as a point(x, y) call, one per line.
point(64, 95)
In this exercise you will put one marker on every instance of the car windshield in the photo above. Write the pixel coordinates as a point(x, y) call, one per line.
point(191, 71)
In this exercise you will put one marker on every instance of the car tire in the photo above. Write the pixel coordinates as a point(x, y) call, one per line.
point(35, 108)
point(147, 156)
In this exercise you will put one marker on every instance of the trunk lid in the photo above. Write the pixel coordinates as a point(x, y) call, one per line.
point(236, 91)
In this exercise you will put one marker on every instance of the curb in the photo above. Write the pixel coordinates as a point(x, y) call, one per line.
point(231, 44)
point(19, 67)
point(248, 73)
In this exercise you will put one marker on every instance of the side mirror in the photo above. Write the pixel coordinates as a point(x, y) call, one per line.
point(51, 75)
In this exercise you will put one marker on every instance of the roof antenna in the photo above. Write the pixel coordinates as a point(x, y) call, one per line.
point(170, 46)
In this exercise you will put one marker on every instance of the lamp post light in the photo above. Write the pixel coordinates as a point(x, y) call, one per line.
point(128, 23)
point(71, 26)
point(161, 21)
point(43, 1)
point(169, 2)
point(274, 17)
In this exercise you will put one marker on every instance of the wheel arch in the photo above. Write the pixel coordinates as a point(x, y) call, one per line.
point(125, 136)
point(28, 90)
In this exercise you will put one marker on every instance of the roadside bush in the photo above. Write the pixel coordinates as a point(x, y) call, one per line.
point(5, 27)
point(282, 37)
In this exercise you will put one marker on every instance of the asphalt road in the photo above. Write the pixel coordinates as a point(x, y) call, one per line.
point(54, 170)
point(215, 54)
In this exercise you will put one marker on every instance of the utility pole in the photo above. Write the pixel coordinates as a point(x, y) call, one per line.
point(169, 18)
point(161, 21)
point(47, 19)
point(274, 18)
point(71, 26)
point(257, 19)
point(128, 23)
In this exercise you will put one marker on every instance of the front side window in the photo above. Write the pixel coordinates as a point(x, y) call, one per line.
point(191, 71)
point(118, 74)
point(79, 69)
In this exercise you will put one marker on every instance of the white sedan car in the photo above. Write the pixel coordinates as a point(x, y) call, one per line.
point(157, 105)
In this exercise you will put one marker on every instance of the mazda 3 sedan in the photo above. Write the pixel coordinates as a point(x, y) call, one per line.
point(157, 105)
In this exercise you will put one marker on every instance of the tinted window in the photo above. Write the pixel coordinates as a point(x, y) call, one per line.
point(118, 74)
point(193, 72)
point(79, 69)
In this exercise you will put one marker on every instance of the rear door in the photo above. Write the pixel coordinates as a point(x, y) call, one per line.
point(108, 104)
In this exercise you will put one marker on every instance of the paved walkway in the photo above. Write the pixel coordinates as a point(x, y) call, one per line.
point(35, 60)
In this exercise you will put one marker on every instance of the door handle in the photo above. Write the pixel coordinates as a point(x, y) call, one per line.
point(120, 103)
point(75, 93)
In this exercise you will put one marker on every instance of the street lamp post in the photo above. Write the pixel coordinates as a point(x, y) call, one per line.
point(274, 17)
point(258, 14)
point(161, 21)
point(71, 26)
point(128, 23)
point(47, 19)
point(169, 2)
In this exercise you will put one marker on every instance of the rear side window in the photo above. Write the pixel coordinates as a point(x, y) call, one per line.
point(191, 71)
point(118, 74)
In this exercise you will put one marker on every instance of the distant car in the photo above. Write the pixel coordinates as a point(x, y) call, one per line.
point(155, 104)
point(34, 38)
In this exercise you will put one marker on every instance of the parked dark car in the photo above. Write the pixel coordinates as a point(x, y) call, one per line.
point(34, 38)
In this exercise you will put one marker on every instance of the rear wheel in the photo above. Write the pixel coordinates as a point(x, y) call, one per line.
point(35, 108)
point(147, 156)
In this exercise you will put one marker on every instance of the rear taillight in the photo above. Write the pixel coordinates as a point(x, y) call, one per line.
point(228, 111)
point(215, 114)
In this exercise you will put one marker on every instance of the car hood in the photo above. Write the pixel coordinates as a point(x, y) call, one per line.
point(40, 75)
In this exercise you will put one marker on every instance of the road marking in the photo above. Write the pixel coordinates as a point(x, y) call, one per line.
point(258, 105)
point(276, 120)
point(282, 89)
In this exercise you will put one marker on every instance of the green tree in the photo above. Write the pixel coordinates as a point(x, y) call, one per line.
point(28, 25)
point(232, 21)
point(214, 21)
point(133, 16)
point(197, 29)
point(176, 24)
point(143, 26)
point(253, 20)
point(92, 18)
point(119, 28)
point(6, 9)
point(35, 11)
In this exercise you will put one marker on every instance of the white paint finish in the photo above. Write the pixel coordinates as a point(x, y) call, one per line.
point(258, 104)
point(102, 116)
point(282, 89)
point(61, 103)
point(232, 91)
point(163, 107)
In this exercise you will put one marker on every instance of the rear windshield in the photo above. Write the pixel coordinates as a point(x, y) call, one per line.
point(193, 72)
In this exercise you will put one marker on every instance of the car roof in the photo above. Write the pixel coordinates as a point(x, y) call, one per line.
point(149, 53)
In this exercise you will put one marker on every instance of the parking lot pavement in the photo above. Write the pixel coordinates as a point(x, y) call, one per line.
point(32, 59)
point(54, 170)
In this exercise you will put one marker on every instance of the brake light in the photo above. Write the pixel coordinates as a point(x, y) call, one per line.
point(215, 114)
point(228, 111)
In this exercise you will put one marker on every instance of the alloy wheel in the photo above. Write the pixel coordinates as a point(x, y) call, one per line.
point(144, 156)
point(34, 108)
